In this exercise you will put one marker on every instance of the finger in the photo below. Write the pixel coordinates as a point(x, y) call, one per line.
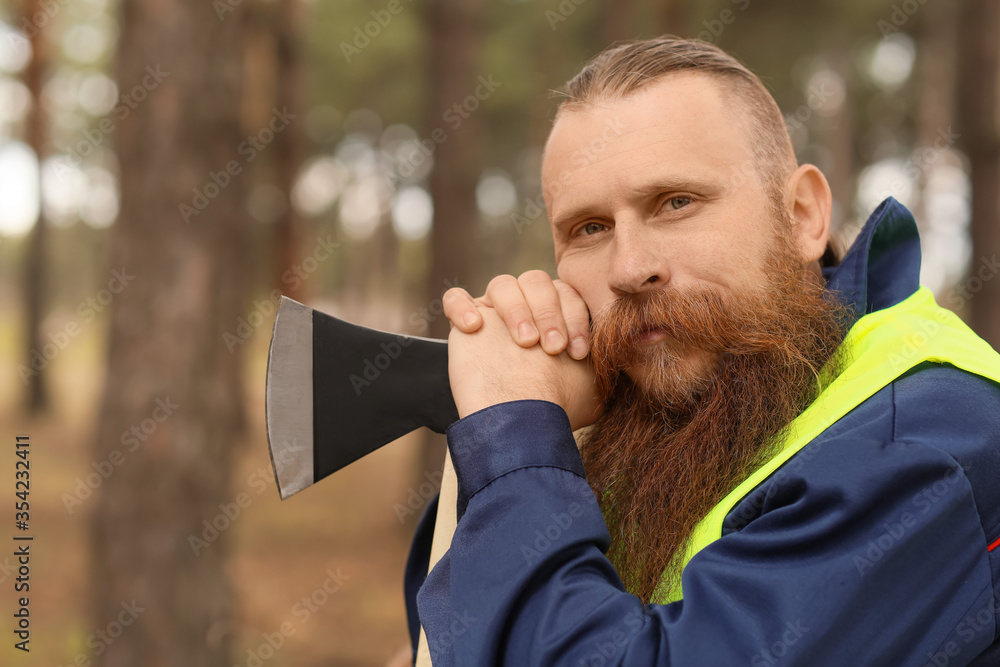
point(577, 318)
point(543, 300)
point(508, 300)
point(461, 310)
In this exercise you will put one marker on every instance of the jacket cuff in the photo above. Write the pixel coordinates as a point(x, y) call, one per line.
point(509, 436)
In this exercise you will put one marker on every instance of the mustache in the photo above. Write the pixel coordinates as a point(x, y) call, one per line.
point(738, 323)
point(701, 318)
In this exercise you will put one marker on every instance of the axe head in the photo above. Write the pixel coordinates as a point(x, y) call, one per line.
point(337, 391)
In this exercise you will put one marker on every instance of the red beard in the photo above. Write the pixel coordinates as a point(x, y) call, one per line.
point(733, 370)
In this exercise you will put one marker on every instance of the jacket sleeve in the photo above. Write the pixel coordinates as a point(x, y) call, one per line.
point(846, 567)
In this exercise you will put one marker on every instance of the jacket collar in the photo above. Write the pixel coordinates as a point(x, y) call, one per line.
point(882, 266)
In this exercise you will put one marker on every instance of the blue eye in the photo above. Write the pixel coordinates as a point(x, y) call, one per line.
point(677, 202)
point(589, 228)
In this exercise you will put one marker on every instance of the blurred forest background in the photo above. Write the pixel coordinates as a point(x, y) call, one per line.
point(167, 165)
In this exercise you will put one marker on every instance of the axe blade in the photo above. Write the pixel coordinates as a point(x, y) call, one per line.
point(337, 391)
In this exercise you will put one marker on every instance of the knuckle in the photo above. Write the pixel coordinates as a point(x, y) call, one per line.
point(568, 292)
point(515, 315)
point(534, 277)
point(454, 293)
point(564, 286)
point(551, 314)
point(499, 281)
point(453, 298)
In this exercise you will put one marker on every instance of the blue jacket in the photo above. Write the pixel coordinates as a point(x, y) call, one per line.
point(869, 547)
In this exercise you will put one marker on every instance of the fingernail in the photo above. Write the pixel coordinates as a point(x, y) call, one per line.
point(526, 331)
point(470, 320)
point(554, 339)
point(578, 348)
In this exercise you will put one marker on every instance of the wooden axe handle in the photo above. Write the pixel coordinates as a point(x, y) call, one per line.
point(444, 531)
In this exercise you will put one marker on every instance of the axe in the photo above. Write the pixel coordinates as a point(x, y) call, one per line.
point(337, 391)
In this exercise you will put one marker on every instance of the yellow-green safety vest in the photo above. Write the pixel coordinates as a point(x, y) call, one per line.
point(879, 348)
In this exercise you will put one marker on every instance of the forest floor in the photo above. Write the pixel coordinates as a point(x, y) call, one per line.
point(281, 552)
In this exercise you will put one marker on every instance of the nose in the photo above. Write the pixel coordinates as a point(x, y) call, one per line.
point(636, 263)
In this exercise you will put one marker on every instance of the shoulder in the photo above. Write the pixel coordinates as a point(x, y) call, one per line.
point(936, 425)
point(957, 414)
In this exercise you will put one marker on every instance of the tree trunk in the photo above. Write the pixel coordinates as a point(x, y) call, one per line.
point(977, 111)
point(615, 23)
point(454, 32)
point(34, 262)
point(170, 406)
point(839, 136)
point(935, 74)
point(673, 17)
point(288, 149)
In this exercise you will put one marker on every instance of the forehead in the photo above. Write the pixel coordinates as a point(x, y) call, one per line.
point(681, 126)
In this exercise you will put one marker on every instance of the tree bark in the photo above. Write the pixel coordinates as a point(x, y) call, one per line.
point(288, 149)
point(977, 113)
point(34, 262)
point(170, 406)
point(615, 23)
point(673, 17)
point(454, 32)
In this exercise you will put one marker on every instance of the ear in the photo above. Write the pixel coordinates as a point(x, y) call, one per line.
point(809, 203)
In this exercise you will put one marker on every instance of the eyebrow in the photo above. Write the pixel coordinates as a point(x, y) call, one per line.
point(641, 192)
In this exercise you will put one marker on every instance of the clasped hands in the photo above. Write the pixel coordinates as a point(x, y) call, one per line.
point(526, 338)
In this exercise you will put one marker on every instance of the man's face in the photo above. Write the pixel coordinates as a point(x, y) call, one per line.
point(657, 190)
point(708, 334)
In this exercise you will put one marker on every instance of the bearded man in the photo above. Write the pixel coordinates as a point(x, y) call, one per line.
point(790, 459)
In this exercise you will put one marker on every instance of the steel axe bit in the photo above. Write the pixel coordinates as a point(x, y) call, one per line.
point(337, 391)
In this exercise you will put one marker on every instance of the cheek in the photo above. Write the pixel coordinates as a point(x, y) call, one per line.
point(719, 256)
point(587, 277)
